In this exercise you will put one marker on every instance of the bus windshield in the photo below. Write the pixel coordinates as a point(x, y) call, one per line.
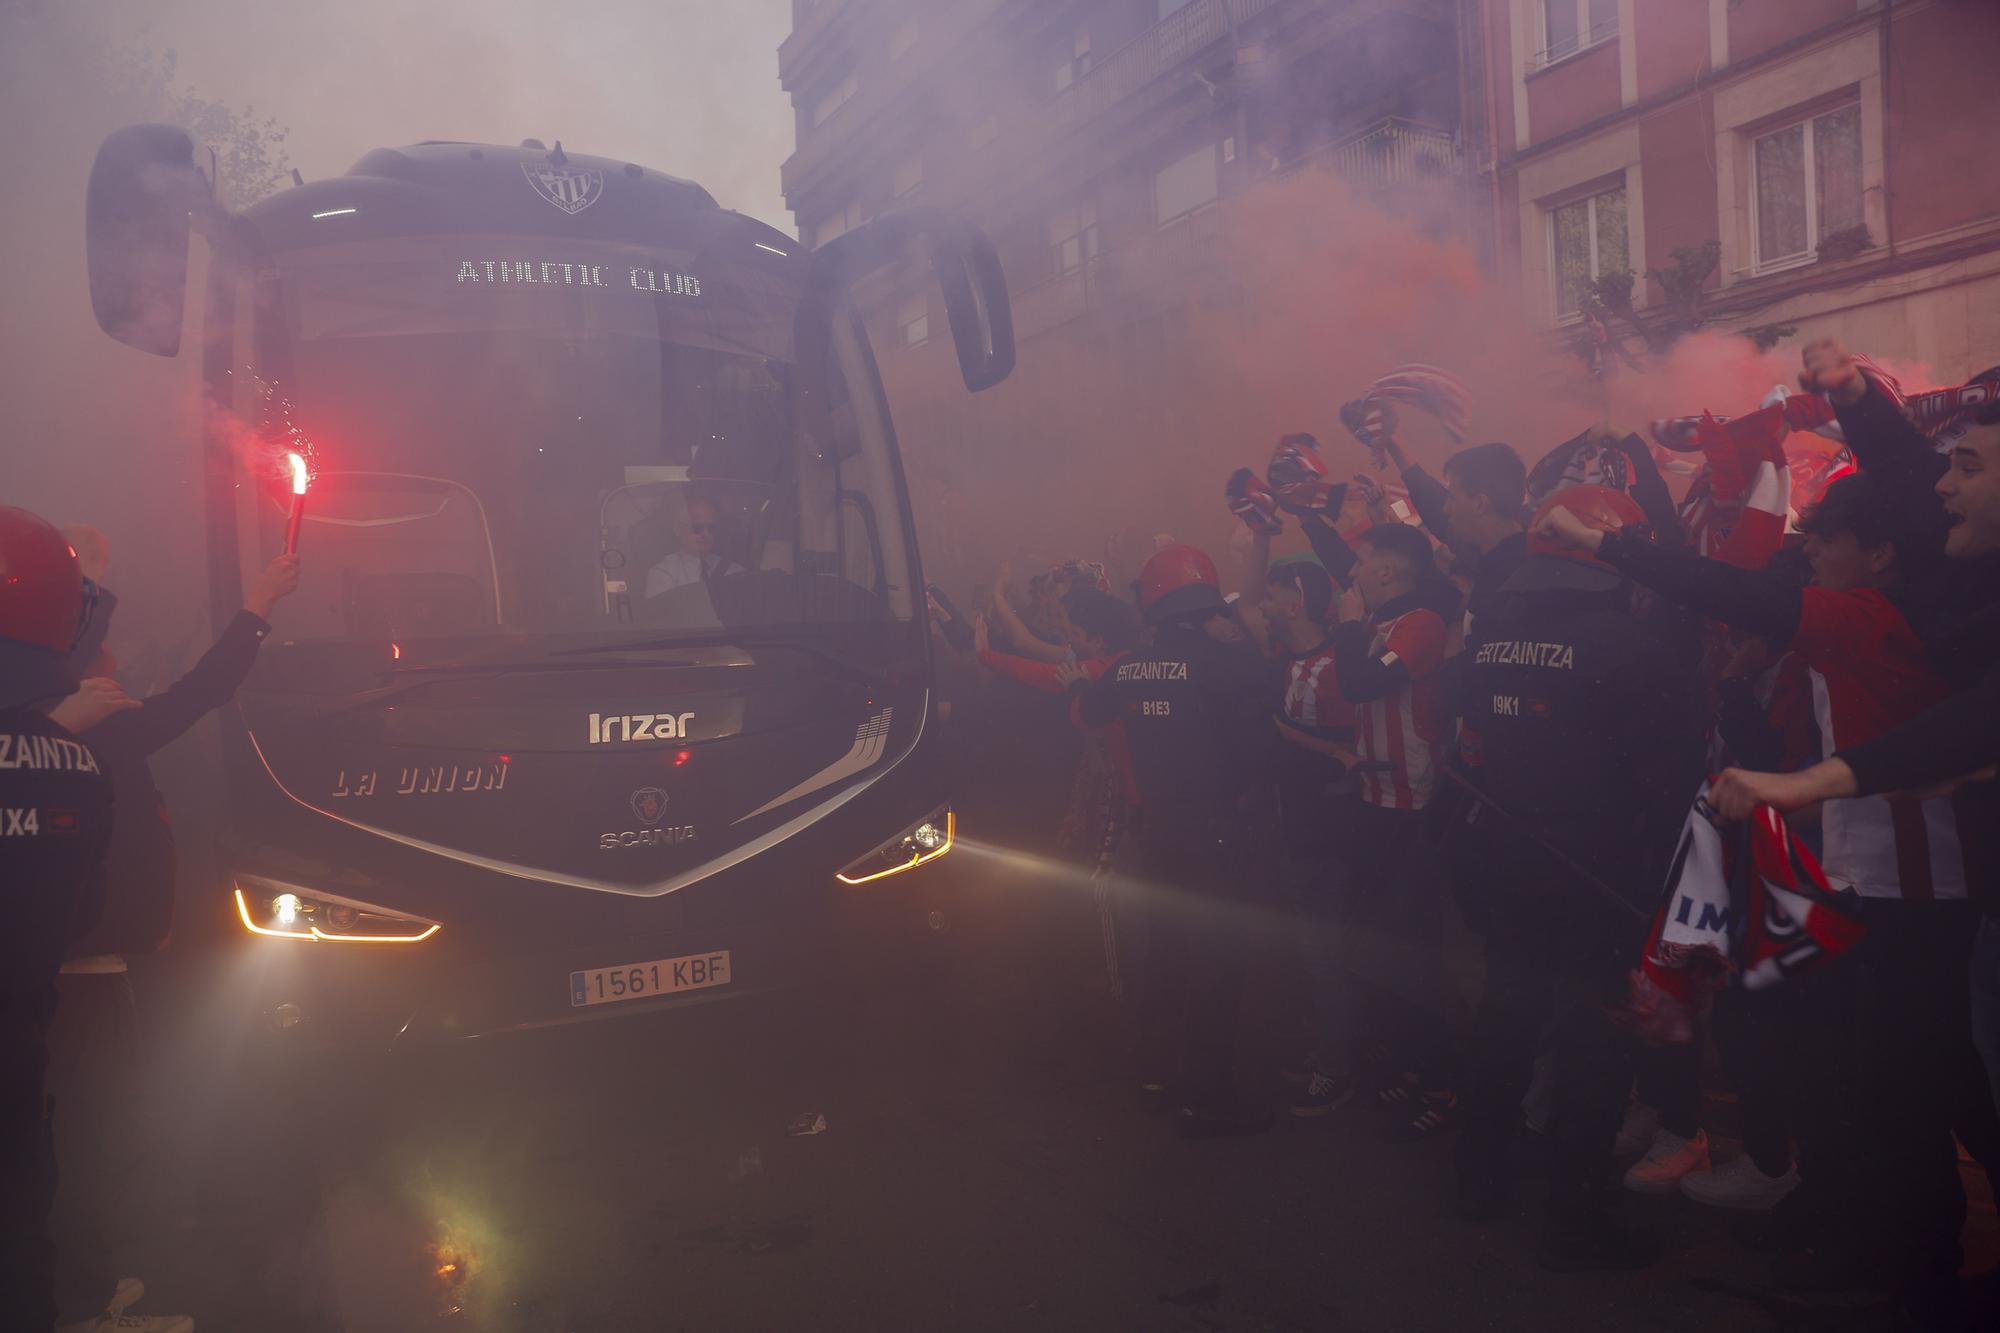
point(604, 444)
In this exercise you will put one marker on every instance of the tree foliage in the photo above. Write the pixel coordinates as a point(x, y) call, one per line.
point(250, 156)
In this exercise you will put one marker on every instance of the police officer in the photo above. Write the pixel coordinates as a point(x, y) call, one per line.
point(55, 819)
point(1580, 710)
point(1195, 705)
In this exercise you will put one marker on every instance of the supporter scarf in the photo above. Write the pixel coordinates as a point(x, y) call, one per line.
point(1748, 906)
point(1588, 459)
point(1749, 474)
point(1941, 414)
point(1438, 392)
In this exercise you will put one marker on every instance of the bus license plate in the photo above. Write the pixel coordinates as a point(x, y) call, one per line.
point(636, 981)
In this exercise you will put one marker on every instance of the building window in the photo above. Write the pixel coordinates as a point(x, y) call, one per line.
point(1808, 185)
point(837, 224)
point(1184, 185)
point(1570, 26)
point(914, 319)
point(1076, 64)
point(1073, 238)
point(834, 98)
point(909, 176)
point(902, 39)
point(1588, 237)
point(984, 133)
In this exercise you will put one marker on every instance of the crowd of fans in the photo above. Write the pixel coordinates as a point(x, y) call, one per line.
point(1701, 767)
point(1707, 770)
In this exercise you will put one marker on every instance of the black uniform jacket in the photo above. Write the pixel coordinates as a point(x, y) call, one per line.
point(55, 821)
point(1587, 729)
point(1197, 717)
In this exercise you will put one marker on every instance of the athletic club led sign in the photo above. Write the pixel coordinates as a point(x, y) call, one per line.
point(559, 273)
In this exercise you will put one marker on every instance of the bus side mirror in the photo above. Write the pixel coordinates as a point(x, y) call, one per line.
point(968, 272)
point(976, 306)
point(138, 212)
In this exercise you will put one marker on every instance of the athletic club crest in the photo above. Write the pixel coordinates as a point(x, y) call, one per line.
point(649, 806)
point(569, 188)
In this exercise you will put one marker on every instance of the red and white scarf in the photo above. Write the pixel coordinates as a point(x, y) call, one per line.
point(1750, 906)
point(1942, 414)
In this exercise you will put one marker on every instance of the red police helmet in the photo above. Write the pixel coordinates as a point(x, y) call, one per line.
point(41, 586)
point(1552, 564)
point(1179, 580)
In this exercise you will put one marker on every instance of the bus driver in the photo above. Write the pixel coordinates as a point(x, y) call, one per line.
point(700, 557)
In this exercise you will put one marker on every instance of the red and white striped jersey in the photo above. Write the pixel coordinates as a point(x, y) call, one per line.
point(1400, 737)
point(1312, 693)
point(1869, 674)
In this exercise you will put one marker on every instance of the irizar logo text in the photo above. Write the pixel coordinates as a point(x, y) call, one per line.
point(620, 727)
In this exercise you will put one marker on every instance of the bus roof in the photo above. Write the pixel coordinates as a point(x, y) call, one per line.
point(443, 187)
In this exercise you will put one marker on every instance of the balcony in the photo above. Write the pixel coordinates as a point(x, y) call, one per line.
point(1166, 266)
point(812, 25)
point(1390, 153)
point(1160, 49)
point(885, 93)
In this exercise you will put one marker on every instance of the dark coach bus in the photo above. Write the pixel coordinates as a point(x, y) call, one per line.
point(608, 683)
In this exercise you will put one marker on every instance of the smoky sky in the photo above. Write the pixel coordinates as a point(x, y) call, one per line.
point(687, 86)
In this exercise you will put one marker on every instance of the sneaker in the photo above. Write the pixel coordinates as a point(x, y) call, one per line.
point(1738, 1183)
point(1636, 1135)
point(1602, 1244)
point(1431, 1114)
point(1398, 1092)
point(129, 1293)
point(132, 1323)
point(1670, 1158)
point(1323, 1094)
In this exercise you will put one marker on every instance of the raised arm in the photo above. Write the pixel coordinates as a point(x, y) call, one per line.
point(1331, 548)
point(1750, 601)
point(1023, 638)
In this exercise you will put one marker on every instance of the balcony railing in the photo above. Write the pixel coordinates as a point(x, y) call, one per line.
point(1392, 152)
point(1156, 51)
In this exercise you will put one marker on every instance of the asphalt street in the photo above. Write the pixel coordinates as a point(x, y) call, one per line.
point(983, 1165)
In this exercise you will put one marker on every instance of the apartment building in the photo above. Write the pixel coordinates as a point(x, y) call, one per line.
point(1083, 133)
point(1828, 158)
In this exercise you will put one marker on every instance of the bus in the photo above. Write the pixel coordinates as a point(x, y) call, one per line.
point(608, 685)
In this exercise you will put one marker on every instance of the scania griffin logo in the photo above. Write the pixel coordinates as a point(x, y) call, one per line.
point(649, 806)
point(639, 727)
point(568, 188)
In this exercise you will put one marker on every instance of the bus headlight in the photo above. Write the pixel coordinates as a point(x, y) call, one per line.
point(926, 840)
point(289, 912)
